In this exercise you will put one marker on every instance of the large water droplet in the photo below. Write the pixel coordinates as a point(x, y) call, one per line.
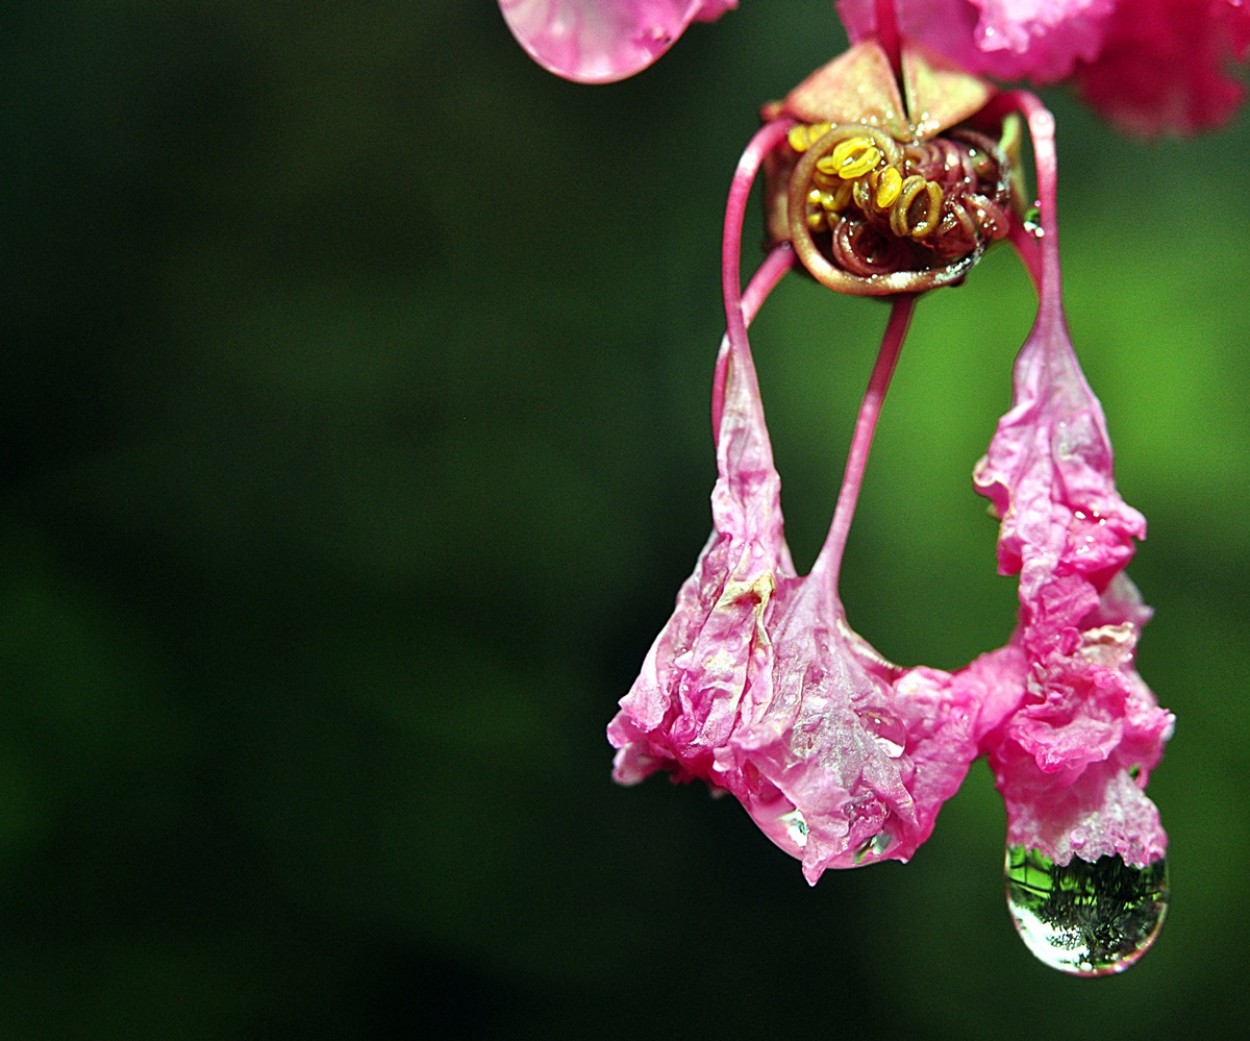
point(1083, 918)
point(890, 734)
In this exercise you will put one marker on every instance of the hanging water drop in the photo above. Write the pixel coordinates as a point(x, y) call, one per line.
point(1085, 918)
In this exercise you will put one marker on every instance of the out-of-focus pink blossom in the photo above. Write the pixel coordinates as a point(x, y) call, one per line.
point(1150, 66)
point(598, 41)
point(1037, 40)
point(1165, 65)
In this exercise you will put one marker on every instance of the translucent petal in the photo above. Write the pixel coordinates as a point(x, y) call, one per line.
point(598, 41)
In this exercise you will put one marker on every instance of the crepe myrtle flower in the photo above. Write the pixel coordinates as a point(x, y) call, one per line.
point(889, 185)
point(888, 173)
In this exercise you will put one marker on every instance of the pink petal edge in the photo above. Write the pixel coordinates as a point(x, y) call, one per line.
point(1165, 65)
point(1148, 66)
point(600, 41)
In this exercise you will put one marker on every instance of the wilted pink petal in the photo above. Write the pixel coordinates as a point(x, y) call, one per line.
point(1072, 759)
point(1037, 40)
point(1164, 65)
point(598, 41)
point(758, 686)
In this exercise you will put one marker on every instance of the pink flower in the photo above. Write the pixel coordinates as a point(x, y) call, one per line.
point(758, 686)
point(1071, 761)
point(598, 41)
point(1150, 66)
point(889, 172)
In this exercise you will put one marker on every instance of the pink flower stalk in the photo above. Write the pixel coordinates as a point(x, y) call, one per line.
point(599, 41)
point(1149, 66)
point(758, 686)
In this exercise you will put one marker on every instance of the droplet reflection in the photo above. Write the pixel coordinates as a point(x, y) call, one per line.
point(1083, 918)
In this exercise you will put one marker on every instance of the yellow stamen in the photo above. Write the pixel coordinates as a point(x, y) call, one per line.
point(889, 186)
point(851, 158)
point(802, 138)
point(933, 217)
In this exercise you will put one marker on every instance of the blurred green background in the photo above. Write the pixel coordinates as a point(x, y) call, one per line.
point(355, 442)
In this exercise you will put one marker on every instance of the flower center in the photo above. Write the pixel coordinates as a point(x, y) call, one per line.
point(869, 214)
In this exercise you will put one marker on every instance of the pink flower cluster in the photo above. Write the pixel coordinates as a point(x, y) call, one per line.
point(1150, 66)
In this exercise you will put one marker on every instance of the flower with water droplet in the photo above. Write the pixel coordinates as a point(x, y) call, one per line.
point(890, 172)
point(757, 684)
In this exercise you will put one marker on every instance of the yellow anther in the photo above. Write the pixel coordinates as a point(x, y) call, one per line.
point(889, 186)
point(816, 220)
point(841, 195)
point(824, 180)
point(802, 138)
point(851, 158)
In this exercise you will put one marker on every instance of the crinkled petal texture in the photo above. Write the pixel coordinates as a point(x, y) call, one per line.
point(598, 41)
point(757, 685)
point(1038, 40)
point(1071, 761)
point(1150, 66)
point(1165, 65)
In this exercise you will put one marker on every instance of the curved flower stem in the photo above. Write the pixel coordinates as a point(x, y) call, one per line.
point(1043, 268)
point(780, 260)
point(830, 559)
point(739, 311)
point(1028, 248)
point(765, 140)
